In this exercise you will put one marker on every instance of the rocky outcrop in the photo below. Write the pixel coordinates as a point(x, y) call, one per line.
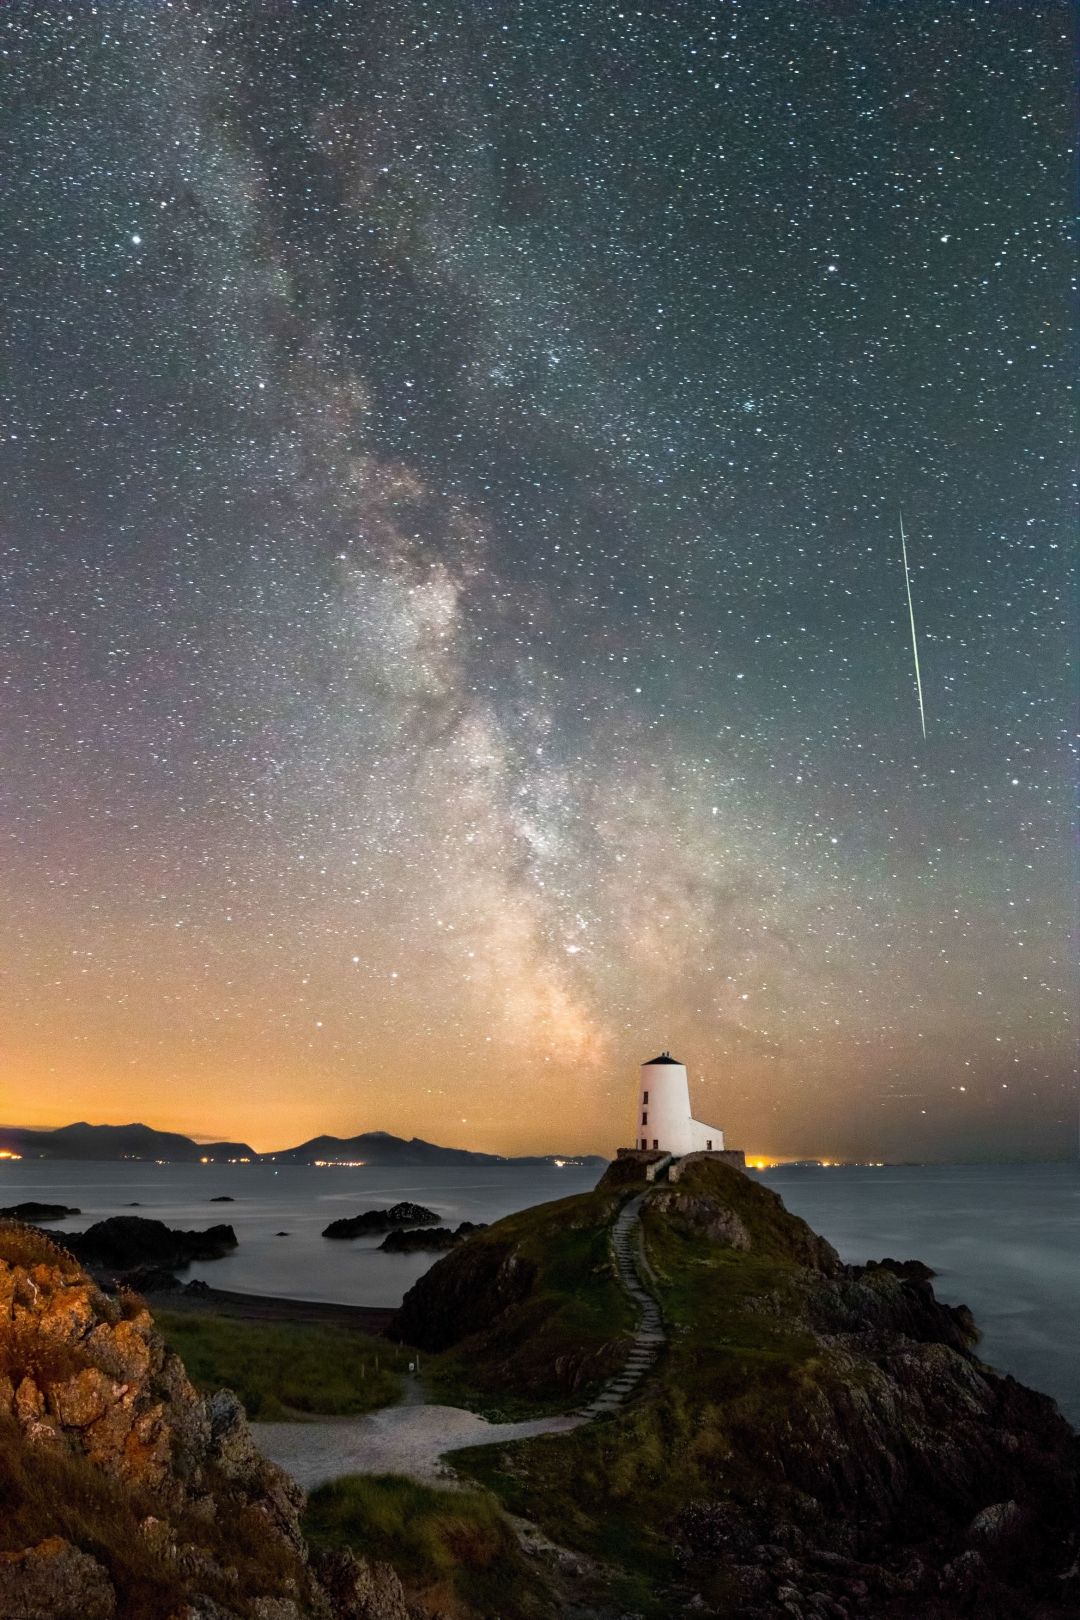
point(715, 1221)
point(124, 1492)
point(912, 1270)
point(35, 1212)
point(372, 1221)
point(719, 1202)
point(466, 1292)
point(55, 1581)
point(362, 1589)
point(125, 1242)
point(817, 1442)
point(402, 1241)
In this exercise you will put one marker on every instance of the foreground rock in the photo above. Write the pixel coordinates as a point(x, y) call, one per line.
point(37, 1212)
point(124, 1491)
point(818, 1441)
point(125, 1242)
point(373, 1221)
point(401, 1241)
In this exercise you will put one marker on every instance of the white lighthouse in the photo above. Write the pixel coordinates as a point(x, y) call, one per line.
point(664, 1120)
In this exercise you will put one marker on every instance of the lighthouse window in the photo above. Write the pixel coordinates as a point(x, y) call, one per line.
point(655, 1143)
point(708, 1145)
point(644, 1144)
point(645, 1098)
point(644, 1119)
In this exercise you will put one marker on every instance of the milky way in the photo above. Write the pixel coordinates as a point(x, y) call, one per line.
point(455, 636)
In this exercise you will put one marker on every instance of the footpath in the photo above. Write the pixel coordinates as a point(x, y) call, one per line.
point(412, 1437)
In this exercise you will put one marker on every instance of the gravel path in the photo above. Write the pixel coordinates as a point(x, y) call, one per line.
point(396, 1440)
point(411, 1438)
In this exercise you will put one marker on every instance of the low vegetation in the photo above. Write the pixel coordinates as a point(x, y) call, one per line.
point(569, 1330)
point(730, 1371)
point(22, 1245)
point(46, 1491)
point(453, 1549)
point(283, 1370)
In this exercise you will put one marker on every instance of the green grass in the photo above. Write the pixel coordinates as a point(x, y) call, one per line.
point(454, 1546)
point(561, 1344)
point(279, 1370)
point(737, 1366)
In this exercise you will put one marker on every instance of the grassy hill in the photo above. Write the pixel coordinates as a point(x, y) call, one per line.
point(813, 1432)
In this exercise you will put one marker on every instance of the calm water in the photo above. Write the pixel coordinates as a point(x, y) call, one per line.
point(297, 1199)
point(1004, 1239)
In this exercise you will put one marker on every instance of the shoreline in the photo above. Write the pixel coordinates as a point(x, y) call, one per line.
point(374, 1319)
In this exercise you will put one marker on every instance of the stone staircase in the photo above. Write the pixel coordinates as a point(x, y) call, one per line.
point(649, 1335)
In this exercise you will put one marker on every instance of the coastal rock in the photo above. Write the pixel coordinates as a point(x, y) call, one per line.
point(910, 1270)
point(149, 1280)
point(34, 1212)
point(818, 1440)
point(372, 1221)
point(409, 1241)
point(124, 1242)
point(719, 1224)
point(467, 1291)
point(123, 1489)
point(54, 1581)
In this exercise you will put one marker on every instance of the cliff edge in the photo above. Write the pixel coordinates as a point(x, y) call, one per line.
point(125, 1494)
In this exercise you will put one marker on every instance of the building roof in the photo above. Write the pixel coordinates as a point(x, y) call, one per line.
point(665, 1057)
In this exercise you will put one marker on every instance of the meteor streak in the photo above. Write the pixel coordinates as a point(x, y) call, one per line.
point(914, 638)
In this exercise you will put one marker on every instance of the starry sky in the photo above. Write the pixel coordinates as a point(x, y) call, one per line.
point(454, 634)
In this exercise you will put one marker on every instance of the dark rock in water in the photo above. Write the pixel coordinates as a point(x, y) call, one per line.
point(133, 1205)
point(402, 1241)
point(282, 1234)
point(223, 1198)
point(150, 1280)
point(37, 1212)
point(125, 1242)
point(381, 1220)
point(408, 1241)
point(197, 1286)
point(911, 1270)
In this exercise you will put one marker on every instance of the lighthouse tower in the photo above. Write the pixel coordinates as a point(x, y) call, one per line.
point(664, 1119)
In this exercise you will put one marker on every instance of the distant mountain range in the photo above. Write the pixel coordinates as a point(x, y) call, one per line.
point(84, 1141)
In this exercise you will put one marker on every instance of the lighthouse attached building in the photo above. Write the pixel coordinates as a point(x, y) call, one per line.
point(664, 1119)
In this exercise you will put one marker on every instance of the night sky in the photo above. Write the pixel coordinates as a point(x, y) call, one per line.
point(454, 633)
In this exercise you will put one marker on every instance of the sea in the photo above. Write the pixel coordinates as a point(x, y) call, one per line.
point(1003, 1239)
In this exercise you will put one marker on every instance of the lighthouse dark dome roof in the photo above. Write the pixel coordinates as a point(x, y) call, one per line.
point(665, 1057)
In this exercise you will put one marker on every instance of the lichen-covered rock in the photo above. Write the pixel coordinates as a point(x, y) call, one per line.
point(54, 1581)
point(83, 1399)
point(170, 1487)
point(715, 1221)
point(362, 1590)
